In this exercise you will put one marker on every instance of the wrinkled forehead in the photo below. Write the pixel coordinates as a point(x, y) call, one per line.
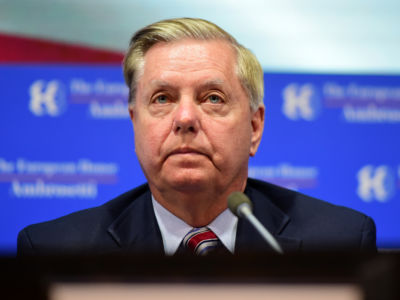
point(191, 55)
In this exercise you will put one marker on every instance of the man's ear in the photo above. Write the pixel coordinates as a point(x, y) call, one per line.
point(131, 111)
point(257, 124)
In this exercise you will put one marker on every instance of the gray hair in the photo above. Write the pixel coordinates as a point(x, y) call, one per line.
point(248, 68)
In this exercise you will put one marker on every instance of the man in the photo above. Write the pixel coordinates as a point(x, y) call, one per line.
point(197, 112)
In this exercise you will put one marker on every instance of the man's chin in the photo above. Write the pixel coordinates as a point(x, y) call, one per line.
point(189, 183)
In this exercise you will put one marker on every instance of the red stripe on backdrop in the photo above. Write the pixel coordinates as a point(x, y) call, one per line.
point(15, 49)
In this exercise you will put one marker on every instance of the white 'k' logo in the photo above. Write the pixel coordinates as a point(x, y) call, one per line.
point(297, 102)
point(43, 98)
point(374, 183)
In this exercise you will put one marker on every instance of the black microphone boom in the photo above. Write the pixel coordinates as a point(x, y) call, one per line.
point(241, 206)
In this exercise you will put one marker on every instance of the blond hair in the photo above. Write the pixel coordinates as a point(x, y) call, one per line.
point(248, 68)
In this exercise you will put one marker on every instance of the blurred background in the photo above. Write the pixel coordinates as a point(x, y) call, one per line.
point(332, 96)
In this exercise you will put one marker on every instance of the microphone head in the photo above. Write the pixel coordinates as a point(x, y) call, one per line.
point(236, 199)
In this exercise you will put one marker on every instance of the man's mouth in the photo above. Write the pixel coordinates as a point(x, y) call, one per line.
point(185, 150)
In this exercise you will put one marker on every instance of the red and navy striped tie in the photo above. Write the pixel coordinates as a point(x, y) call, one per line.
point(201, 241)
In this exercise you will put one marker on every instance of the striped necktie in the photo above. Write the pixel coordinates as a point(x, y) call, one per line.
point(201, 241)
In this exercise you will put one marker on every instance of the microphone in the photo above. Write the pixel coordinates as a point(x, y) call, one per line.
point(241, 206)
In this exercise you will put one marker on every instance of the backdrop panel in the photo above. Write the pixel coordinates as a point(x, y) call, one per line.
point(67, 142)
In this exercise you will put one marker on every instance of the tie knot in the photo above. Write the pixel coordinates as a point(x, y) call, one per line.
point(200, 241)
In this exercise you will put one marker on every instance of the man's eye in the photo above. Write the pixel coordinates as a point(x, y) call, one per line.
point(162, 99)
point(214, 99)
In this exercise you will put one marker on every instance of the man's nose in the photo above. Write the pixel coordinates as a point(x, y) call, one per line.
point(186, 117)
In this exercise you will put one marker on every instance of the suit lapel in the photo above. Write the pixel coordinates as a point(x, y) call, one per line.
point(274, 219)
point(136, 228)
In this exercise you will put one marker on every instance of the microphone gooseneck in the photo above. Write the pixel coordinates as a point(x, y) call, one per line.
point(241, 206)
point(235, 200)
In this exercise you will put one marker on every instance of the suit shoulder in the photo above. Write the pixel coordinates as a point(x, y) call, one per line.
point(108, 209)
point(77, 226)
point(319, 224)
point(298, 205)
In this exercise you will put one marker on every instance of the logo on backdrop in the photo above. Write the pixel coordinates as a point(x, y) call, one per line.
point(358, 103)
point(57, 179)
point(104, 99)
point(364, 103)
point(301, 102)
point(376, 183)
point(47, 98)
point(287, 175)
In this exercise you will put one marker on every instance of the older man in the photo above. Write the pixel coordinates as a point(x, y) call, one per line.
point(197, 112)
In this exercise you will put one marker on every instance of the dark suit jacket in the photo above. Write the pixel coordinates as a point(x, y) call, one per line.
point(128, 224)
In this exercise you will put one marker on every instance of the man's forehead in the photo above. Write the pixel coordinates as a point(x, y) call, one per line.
point(190, 50)
point(208, 82)
point(213, 65)
point(191, 42)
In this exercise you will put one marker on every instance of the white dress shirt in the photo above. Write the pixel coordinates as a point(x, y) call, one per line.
point(174, 229)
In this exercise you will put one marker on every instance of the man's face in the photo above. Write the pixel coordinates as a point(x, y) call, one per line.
point(194, 129)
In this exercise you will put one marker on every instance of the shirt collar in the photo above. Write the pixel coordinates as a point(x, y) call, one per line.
point(174, 229)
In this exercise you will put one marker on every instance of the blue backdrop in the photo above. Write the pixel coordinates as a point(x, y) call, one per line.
point(67, 142)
